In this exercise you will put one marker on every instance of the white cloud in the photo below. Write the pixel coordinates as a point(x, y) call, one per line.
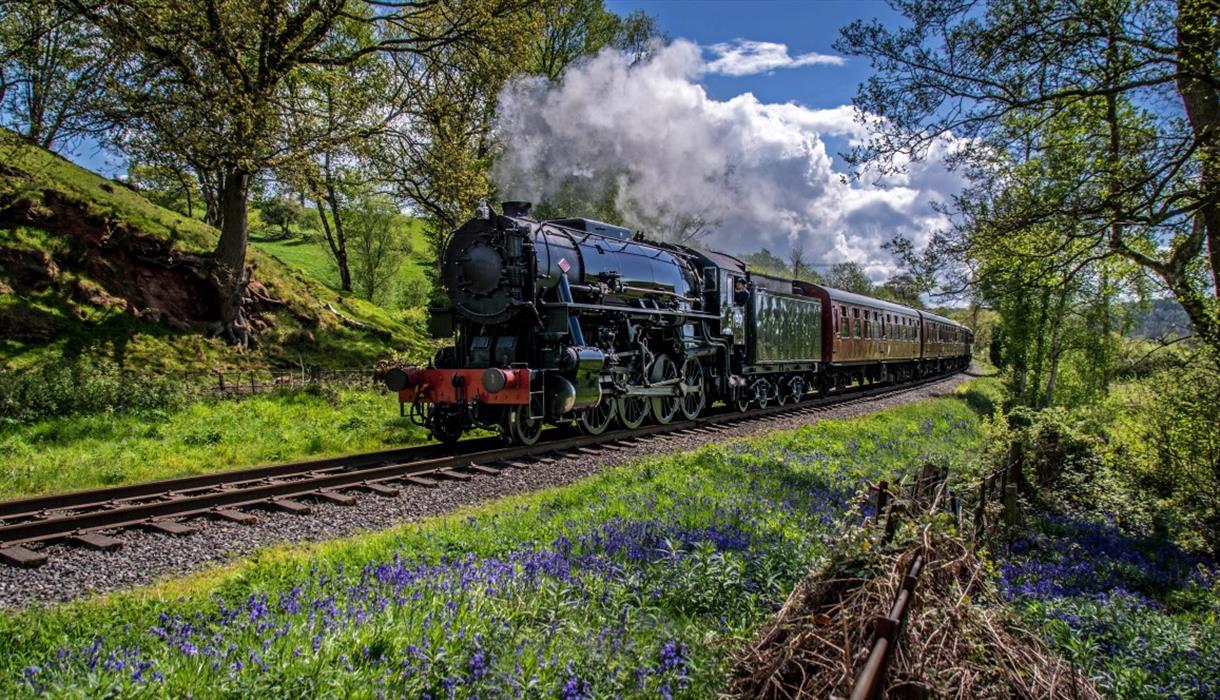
point(743, 57)
point(651, 136)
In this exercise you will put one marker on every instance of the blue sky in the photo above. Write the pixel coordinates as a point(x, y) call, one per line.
point(808, 26)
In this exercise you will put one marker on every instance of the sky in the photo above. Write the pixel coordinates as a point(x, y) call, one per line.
point(740, 121)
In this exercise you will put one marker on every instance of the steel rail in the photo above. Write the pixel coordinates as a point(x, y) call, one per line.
point(79, 515)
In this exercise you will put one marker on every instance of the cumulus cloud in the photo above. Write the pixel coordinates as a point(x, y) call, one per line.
point(742, 57)
point(650, 138)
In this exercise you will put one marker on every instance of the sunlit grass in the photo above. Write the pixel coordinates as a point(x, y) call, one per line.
point(78, 452)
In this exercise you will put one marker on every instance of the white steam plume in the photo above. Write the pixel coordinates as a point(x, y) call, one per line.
point(760, 173)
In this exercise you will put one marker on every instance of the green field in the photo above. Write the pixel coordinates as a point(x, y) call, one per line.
point(92, 450)
point(642, 580)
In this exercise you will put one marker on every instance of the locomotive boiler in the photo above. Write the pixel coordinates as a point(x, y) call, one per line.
point(578, 322)
point(563, 320)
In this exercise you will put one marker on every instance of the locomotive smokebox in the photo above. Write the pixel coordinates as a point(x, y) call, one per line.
point(516, 209)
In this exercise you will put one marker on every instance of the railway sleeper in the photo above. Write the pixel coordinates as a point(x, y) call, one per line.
point(421, 481)
point(169, 527)
point(490, 471)
point(233, 516)
point(287, 505)
point(17, 555)
point(96, 541)
point(379, 488)
point(339, 499)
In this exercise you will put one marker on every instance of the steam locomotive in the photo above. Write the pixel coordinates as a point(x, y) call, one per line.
point(575, 321)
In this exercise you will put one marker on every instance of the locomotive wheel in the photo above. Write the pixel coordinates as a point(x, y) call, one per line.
point(692, 377)
point(765, 399)
point(445, 425)
point(742, 402)
point(595, 420)
point(632, 411)
point(523, 430)
point(782, 394)
point(664, 408)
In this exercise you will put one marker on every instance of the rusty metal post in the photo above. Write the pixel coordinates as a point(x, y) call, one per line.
point(883, 497)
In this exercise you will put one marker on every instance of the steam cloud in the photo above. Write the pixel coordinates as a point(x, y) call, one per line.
point(650, 136)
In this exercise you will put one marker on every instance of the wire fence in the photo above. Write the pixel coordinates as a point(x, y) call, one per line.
point(248, 382)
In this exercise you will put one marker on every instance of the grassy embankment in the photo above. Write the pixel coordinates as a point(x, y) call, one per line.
point(71, 237)
point(639, 581)
point(71, 415)
point(87, 451)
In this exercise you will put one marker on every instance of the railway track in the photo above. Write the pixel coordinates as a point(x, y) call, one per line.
point(174, 506)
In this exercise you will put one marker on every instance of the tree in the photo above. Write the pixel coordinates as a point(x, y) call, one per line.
point(850, 277)
point(209, 80)
point(53, 70)
point(766, 261)
point(975, 79)
point(378, 245)
point(282, 212)
point(439, 152)
point(168, 186)
point(575, 28)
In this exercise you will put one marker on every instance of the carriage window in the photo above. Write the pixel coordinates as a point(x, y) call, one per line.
point(845, 326)
point(855, 322)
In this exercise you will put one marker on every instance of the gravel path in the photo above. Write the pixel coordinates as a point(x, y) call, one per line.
point(146, 557)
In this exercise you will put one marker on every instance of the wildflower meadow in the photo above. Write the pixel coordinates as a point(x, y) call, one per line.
point(1138, 614)
point(641, 581)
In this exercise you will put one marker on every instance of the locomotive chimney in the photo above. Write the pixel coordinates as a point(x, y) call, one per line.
point(516, 209)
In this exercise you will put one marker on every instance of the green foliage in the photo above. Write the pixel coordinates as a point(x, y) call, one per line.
point(84, 385)
point(641, 580)
point(301, 330)
point(1168, 431)
point(283, 213)
point(850, 277)
point(377, 243)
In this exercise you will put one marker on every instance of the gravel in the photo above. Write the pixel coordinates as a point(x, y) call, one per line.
point(74, 572)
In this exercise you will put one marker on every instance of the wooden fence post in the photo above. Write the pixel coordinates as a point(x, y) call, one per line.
point(1011, 515)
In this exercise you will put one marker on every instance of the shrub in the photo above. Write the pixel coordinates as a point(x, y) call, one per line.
point(84, 385)
point(1173, 439)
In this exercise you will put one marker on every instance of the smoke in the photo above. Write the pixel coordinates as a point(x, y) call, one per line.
point(756, 175)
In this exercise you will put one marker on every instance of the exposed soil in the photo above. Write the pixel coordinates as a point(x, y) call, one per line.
point(141, 273)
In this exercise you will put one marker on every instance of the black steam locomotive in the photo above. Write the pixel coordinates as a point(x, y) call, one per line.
point(578, 321)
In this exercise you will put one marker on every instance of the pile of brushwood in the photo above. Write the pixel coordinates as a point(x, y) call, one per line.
point(958, 641)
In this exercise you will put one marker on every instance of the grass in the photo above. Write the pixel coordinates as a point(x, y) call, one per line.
point(640, 581)
point(86, 451)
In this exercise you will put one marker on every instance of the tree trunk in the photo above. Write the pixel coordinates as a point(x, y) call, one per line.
point(339, 246)
point(230, 258)
point(1056, 349)
point(1198, 43)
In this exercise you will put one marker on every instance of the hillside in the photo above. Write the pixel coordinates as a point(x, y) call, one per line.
point(90, 267)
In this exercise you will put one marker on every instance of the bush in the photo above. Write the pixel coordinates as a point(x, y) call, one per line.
point(1173, 439)
point(83, 385)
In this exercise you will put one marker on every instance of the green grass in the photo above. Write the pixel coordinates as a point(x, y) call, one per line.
point(78, 452)
point(640, 581)
point(304, 254)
